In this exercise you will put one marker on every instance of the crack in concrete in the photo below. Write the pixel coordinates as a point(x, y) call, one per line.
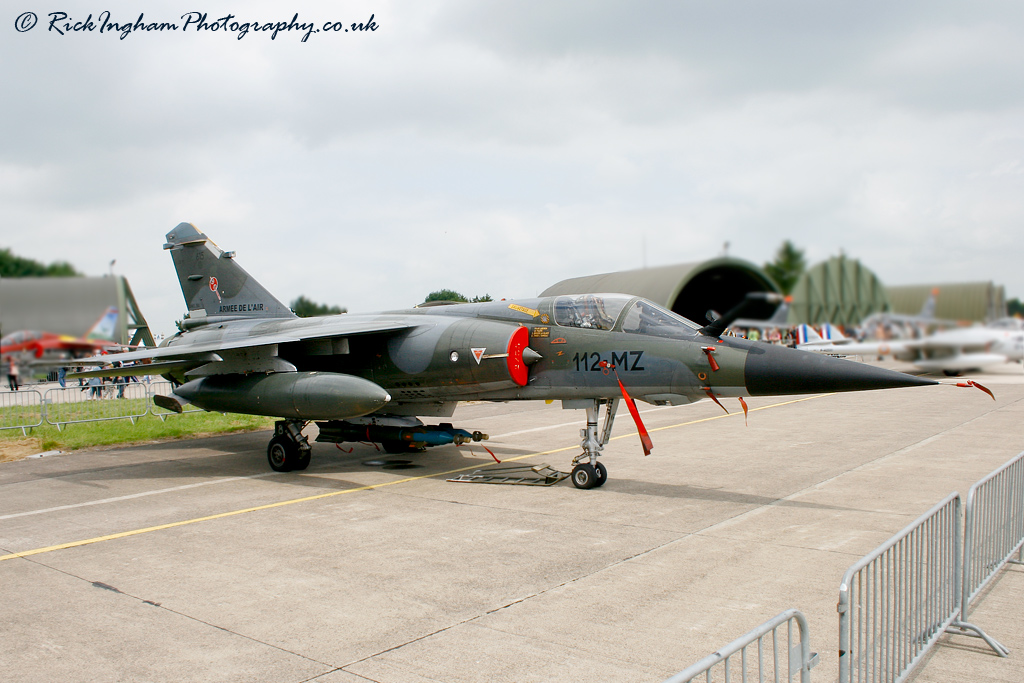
point(108, 587)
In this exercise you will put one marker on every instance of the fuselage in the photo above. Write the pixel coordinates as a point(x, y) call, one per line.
point(553, 348)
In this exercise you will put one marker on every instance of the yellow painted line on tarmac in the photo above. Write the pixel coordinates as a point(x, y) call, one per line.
point(369, 487)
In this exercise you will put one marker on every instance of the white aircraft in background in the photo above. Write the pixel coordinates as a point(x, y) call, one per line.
point(907, 324)
point(950, 351)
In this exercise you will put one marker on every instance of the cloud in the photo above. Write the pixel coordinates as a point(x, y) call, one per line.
point(500, 148)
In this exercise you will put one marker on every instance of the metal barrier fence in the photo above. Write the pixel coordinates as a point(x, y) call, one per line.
point(896, 602)
point(993, 532)
point(68, 405)
point(21, 409)
point(799, 658)
point(61, 406)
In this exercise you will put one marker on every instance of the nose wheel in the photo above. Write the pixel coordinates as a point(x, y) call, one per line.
point(587, 472)
point(587, 476)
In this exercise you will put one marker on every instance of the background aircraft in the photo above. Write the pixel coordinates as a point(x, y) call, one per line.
point(48, 345)
point(887, 326)
point(949, 351)
point(368, 377)
point(778, 320)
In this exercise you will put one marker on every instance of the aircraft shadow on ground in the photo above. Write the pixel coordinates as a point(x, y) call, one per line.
point(244, 455)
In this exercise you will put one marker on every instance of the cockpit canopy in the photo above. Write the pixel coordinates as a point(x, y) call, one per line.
point(590, 311)
point(602, 311)
point(648, 318)
point(20, 337)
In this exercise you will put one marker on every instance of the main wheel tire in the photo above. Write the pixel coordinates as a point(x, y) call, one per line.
point(584, 476)
point(281, 454)
point(602, 474)
point(302, 459)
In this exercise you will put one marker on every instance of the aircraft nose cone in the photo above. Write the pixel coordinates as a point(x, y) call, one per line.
point(774, 370)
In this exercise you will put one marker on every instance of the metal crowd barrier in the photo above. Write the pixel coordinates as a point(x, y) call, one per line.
point(993, 532)
point(799, 658)
point(61, 406)
point(68, 405)
point(21, 409)
point(896, 602)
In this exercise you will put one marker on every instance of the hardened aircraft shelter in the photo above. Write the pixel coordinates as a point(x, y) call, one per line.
point(71, 305)
point(840, 291)
point(966, 301)
point(689, 289)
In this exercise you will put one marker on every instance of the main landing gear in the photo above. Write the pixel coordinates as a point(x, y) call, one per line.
point(289, 449)
point(587, 472)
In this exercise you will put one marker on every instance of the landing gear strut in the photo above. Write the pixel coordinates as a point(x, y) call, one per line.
point(587, 472)
point(289, 449)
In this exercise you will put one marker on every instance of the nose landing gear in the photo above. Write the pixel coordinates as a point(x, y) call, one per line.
point(587, 472)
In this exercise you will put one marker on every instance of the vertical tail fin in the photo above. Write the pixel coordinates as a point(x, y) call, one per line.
point(213, 284)
point(780, 318)
point(105, 327)
point(805, 334)
point(831, 333)
point(928, 309)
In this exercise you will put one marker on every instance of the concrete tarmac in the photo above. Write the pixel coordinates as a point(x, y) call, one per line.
point(191, 561)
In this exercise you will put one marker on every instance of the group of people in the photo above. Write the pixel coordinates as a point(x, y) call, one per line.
point(772, 335)
point(94, 385)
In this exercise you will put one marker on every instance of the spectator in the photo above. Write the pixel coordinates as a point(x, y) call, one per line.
point(12, 373)
point(120, 381)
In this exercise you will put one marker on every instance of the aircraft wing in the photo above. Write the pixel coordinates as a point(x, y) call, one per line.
point(209, 351)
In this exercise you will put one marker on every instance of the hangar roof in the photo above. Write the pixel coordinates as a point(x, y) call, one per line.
point(70, 305)
point(690, 289)
point(840, 291)
point(974, 301)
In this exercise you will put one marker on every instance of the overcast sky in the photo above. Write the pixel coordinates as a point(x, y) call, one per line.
point(498, 147)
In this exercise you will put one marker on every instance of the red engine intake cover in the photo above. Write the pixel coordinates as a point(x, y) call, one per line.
point(517, 343)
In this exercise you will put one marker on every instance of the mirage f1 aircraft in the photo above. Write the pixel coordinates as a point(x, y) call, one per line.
point(368, 377)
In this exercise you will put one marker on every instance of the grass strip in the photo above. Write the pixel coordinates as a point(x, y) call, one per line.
point(122, 431)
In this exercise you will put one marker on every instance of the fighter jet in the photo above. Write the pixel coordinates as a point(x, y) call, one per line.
point(61, 346)
point(370, 377)
point(950, 352)
point(905, 325)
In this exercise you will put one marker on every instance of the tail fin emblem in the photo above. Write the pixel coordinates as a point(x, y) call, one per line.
point(213, 284)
